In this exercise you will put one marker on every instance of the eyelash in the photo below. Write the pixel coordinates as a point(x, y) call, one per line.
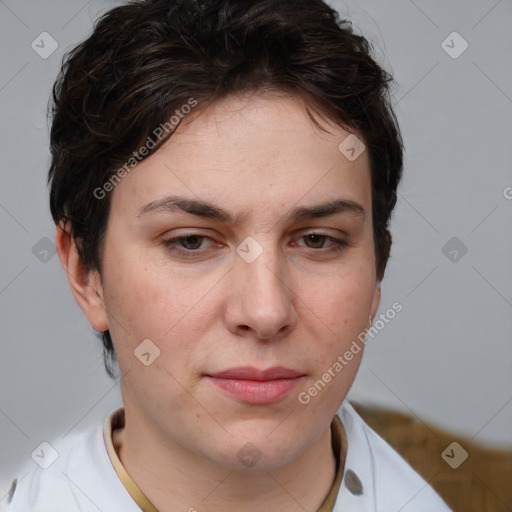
point(172, 243)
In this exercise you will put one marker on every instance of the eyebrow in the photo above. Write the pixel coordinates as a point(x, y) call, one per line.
point(208, 210)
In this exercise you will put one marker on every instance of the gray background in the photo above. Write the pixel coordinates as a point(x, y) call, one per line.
point(446, 358)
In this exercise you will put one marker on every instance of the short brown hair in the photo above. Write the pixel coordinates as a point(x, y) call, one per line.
point(147, 58)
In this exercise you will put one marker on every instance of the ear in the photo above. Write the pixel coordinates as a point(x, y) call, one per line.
point(84, 283)
point(375, 300)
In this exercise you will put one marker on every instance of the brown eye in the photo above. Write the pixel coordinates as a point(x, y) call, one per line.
point(188, 245)
point(322, 243)
point(191, 242)
point(315, 240)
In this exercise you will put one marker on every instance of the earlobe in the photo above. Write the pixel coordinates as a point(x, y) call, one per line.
point(85, 283)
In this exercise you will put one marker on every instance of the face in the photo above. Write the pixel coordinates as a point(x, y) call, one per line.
point(220, 250)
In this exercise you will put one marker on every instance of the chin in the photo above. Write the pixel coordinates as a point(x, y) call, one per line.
point(256, 453)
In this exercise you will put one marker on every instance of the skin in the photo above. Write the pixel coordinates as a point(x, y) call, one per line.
point(299, 304)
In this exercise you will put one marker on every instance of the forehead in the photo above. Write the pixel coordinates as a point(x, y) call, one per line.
point(249, 152)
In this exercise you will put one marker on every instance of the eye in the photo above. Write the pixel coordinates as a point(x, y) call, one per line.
point(317, 241)
point(189, 244)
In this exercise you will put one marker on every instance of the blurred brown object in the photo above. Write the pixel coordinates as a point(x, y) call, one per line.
point(482, 483)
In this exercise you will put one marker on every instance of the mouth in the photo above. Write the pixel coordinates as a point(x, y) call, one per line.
point(255, 386)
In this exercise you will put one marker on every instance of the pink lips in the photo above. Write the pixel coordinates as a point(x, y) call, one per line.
point(254, 386)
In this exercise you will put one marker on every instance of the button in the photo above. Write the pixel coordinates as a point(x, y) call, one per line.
point(10, 494)
point(353, 483)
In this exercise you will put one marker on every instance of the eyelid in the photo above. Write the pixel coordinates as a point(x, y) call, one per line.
point(296, 235)
point(335, 242)
point(330, 232)
point(172, 243)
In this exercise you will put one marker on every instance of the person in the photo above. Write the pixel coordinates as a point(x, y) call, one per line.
point(222, 180)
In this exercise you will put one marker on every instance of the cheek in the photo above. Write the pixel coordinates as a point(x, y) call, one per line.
point(138, 301)
point(146, 301)
point(343, 303)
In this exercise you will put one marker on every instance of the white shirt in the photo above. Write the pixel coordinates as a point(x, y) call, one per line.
point(83, 479)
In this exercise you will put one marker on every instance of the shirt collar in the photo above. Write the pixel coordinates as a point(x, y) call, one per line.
point(116, 420)
point(357, 490)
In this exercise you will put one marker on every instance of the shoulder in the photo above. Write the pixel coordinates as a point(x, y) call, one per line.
point(394, 484)
point(70, 475)
point(47, 476)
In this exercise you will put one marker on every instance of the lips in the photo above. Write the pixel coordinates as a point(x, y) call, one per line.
point(251, 373)
point(256, 386)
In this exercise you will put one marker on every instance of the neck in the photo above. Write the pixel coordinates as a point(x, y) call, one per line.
point(173, 478)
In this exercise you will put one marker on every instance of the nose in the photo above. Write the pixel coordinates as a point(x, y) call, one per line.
point(259, 299)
